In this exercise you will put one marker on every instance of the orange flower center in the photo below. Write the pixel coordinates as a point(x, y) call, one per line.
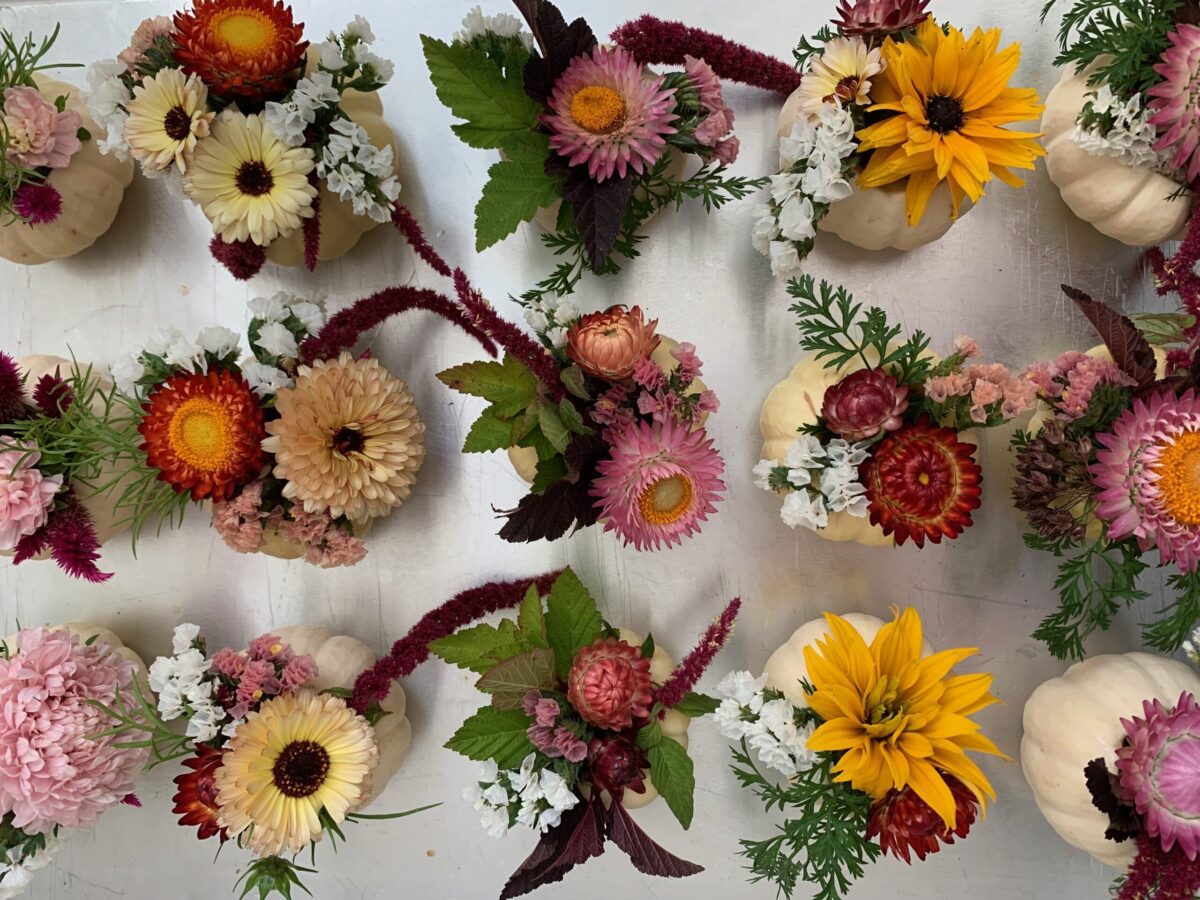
point(667, 500)
point(245, 32)
point(1178, 477)
point(600, 110)
point(201, 434)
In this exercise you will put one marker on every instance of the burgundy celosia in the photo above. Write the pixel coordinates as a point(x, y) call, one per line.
point(694, 665)
point(37, 204)
point(609, 684)
point(70, 536)
point(863, 404)
point(654, 41)
point(310, 230)
point(243, 259)
point(12, 391)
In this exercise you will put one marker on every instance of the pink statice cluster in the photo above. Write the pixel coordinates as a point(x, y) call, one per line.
point(269, 667)
point(990, 393)
point(657, 395)
point(716, 131)
point(39, 136)
point(1069, 383)
point(53, 771)
point(26, 495)
point(547, 733)
point(244, 524)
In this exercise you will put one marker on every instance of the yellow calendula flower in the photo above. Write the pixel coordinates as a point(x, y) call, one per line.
point(898, 719)
point(168, 115)
point(950, 99)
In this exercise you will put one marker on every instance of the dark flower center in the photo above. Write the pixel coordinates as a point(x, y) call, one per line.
point(945, 114)
point(177, 123)
point(300, 770)
point(347, 441)
point(254, 179)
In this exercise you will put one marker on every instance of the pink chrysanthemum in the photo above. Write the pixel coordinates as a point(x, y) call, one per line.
point(1159, 771)
point(659, 483)
point(1174, 100)
point(607, 112)
point(52, 771)
point(1148, 477)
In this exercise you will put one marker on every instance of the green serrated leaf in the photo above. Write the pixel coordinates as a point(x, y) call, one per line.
point(572, 620)
point(516, 189)
point(694, 705)
point(553, 427)
point(573, 380)
point(674, 776)
point(494, 734)
point(482, 647)
point(492, 106)
point(511, 680)
point(509, 385)
point(649, 735)
point(548, 472)
point(530, 619)
point(572, 418)
point(489, 432)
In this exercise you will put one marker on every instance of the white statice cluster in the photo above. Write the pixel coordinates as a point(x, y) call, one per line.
point(551, 317)
point(534, 798)
point(820, 479)
point(107, 99)
point(16, 868)
point(279, 336)
point(348, 52)
point(765, 720)
point(171, 346)
point(815, 161)
point(312, 95)
point(358, 172)
point(184, 686)
point(1118, 128)
point(477, 25)
point(1192, 647)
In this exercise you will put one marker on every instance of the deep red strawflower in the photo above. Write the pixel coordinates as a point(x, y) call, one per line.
point(243, 259)
point(609, 684)
point(196, 798)
point(70, 536)
point(654, 41)
point(876, 19)
point(12, 391)
point(37, 204)
point(904, 823)
point(615, 764)
point(52, 395)
point(922, 483)
point(688, 672)
point(1157, 875)
point(411, 650)
point(311, 229)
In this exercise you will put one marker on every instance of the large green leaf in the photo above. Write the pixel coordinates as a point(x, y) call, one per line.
point(674, 777)
point(481, 648)
point(509, 682)
point(517, 188)
point(509, 385)
point(530, 619)
point(489, 432)
point(572, 620)
point(494, 734)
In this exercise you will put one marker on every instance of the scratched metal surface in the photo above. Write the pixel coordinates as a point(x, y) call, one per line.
point(995, 276)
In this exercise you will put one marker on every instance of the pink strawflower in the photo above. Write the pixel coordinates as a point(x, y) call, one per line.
point(690, 368)
point(609, 684)
point(228, 663)
point(52, 771)
point(647, 374)
point(864, 404)
point(37, 204)
point(879, 18)
point(1173, 100)
point(608, 113)
point(1159, 772)
point(967, 347)
point(659, 483)
point(270, 648)
point(944, 387)
point(659, 405)
point(26, 496)
point(1147, 475)
point(298, 672)
point(996, 373)
point(144, 36)
point(38, 134)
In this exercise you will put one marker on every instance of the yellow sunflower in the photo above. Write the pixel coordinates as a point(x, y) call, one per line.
point(950, 97)
point(298, 754)
point(897, 718)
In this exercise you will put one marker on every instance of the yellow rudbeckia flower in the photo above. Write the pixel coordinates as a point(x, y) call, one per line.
point(898, 719)
point(950, 99)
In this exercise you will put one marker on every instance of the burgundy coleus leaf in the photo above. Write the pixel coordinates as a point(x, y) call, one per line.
point(565, 503)
point(599, 209)
point(576, 839)
point(1129, 348)
point(558, 42)
point(646, 856)
point(52, 395)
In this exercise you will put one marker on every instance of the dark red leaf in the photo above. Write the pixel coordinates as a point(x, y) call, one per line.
point(646, 856)
point(559, 44)
point(599, 209)
point(577, 838)
point(565, 503)
point(1129, 348)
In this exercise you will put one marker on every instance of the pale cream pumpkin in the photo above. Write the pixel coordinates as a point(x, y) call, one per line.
point(339, 661)
point(1132, 205)
point(876, 219)
point(341, 229)
point(787, 668)
point(1075, 718)
point(91, 186)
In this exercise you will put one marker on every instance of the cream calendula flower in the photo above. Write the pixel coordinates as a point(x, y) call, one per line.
point(250, 184)
point(298, 754)
point(168, 115)
point(348, 440)
point(841, 74)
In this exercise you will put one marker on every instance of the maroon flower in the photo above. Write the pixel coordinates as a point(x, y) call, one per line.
point(197, 795)
point(609, 684)
point(615, 764)
point(863, 404)
point(903, 821)
point(37, 204)
point(879, 18)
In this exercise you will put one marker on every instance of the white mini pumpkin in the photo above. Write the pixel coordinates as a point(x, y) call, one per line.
point(339, 661)
point(1075, 718)
point(1132, 205)
point(787, 667)
point(91, 186)
point(876, 219)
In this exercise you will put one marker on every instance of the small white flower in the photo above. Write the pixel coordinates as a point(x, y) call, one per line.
point(160, 341)
point(316, 92)
point(798, 145)
point(288, 121)
point(205, 723)
point(803, 508)
point(476, 24)
point(796, 219)
point(265, 380)
point(276, 340)
point(190, 666)
point(494, 821)
point(766, 229)
point(383, 69)
point(273, 308)
point(185, 354)
point(730, 723)
point(844, 492)
point(536, 319)
point(521, 779)
point(496, 795)
point(784, 186)
point(843, 454)
point(125, 373)
point(218, 341)
point(310, 314)
point(330, 53)
point(741, 686)
point(359, 29)
point(557, 792)
point(762, 473)
point(230, 728)
point(184, 636)
point(162, 672)
point(805, 452)
point(773, 754)
point(785, 259)
point(557, 337)
point(549, 818)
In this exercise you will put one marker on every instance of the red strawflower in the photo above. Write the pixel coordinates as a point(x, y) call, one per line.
point(922, 483)
point(196, 798)
point(616, 763)
point(609, 684)
point(243, 259)
point(879, 18)
point(905, 823)
point(863, 404)
point(37, 204)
